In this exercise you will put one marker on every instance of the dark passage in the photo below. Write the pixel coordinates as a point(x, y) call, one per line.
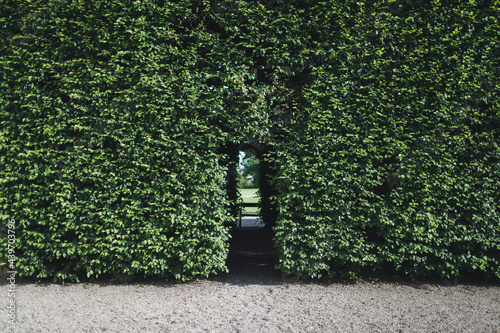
point(251, 255)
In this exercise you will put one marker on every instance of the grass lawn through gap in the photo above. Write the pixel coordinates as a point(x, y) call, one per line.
point(249, 195)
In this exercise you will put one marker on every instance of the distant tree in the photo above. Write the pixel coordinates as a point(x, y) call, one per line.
point(248, 175)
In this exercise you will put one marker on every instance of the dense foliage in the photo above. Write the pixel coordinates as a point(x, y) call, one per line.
point(376, 122)
point(109, 160)
point(392, 160)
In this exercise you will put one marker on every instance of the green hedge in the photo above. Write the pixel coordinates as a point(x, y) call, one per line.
point(393, 160)
point(108, 165)
point(377, 121)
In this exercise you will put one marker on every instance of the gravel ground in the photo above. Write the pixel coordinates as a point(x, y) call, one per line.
point(253, 298)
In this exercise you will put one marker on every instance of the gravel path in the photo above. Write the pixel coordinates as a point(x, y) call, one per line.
point(233, 304)
point(253, 298)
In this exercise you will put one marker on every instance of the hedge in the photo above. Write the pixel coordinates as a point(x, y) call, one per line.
point(392, 162)
point(108, 163)
point(377, 125)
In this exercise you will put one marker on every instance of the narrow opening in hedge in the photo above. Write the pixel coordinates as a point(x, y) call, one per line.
point(256, 181)
point(248, 180)
point(252, 248)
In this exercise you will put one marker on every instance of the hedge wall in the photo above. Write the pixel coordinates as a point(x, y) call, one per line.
point(393, 159)
point(379, 120)
point(109, 163)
